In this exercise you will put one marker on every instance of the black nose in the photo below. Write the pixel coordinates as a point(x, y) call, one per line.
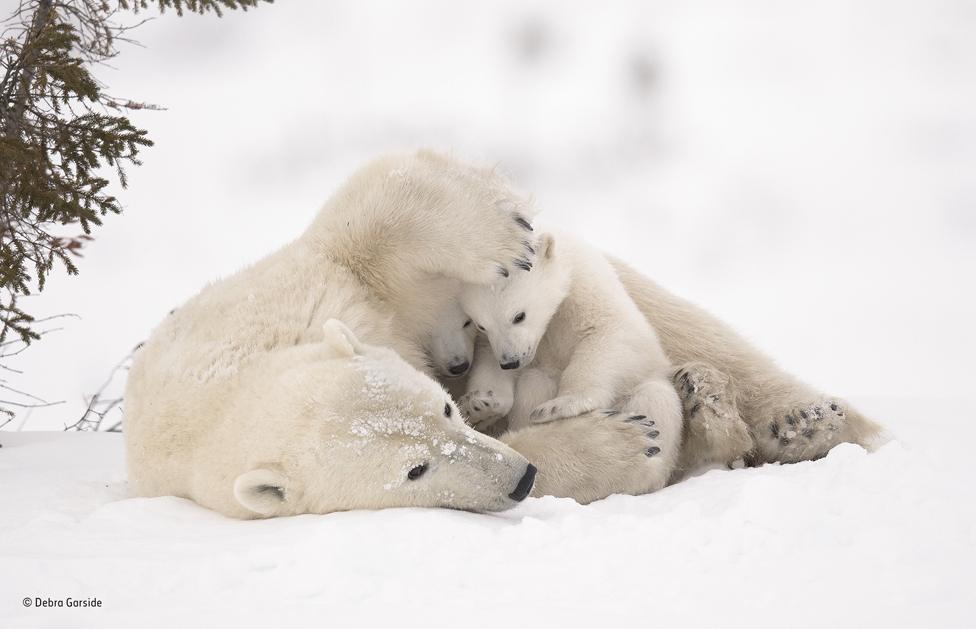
point(460, 369)
point(524, 485)
point(512, 364)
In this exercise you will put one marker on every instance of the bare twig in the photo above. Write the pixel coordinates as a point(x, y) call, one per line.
point(98, 406)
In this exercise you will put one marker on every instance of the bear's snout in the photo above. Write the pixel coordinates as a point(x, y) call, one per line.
point(458, 369)
point(524, 485)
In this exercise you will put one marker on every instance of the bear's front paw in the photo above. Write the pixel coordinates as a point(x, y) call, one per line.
point(561, 408)
point(484, 408)
point(507, 243)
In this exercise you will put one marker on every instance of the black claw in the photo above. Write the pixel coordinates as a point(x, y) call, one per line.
point(694, 409)
point(523, 223)
point(611, 413)
point(528, 247)
point(774, 429)
point(503, 271)
point(643, 420)
point(525, 265)
point(652, 451)
point(637, 417)
point(653, 434)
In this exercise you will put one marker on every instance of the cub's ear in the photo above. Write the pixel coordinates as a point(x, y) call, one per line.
point(340, 340)
point(547, 246)
point(262, 491)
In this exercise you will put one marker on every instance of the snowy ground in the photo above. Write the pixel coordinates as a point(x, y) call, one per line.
point(854, 540)
point(803, 170)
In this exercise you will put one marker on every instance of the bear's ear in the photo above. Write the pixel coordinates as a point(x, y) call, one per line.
point(262, 491)
point(340, 340)
point(547, 246)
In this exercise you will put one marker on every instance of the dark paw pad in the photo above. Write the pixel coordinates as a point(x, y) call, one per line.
point(652, 451)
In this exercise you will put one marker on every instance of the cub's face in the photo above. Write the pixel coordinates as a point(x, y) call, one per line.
point(451, 346)
point(515, 313)
point(370, 432)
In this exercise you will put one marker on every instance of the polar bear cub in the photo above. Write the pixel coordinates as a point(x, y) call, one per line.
point(565, 339)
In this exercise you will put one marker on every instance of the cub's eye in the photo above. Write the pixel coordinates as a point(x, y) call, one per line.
point(466, 323)
point(417, 472)
point(447, 410)
point(519, 318)
point(479, 327)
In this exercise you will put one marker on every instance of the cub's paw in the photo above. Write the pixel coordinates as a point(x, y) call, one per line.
point(561, 408)
point(483, 408)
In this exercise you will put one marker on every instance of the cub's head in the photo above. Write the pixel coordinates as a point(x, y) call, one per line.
point(515, 313)
point(352, 426)
point(451, 345)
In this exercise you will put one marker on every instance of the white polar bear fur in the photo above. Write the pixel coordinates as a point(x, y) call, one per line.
point(738, 403)
point(581, 344)
point(255, 400)
point(788, 420)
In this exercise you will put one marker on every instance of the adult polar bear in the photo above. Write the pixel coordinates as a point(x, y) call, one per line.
point(254, 399)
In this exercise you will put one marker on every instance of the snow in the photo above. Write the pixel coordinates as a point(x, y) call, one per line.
point(856, 539)
point(803, 170)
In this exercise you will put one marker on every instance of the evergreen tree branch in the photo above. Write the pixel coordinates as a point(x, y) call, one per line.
point(58, 130)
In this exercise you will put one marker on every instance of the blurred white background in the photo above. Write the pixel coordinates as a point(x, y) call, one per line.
point(807, 171)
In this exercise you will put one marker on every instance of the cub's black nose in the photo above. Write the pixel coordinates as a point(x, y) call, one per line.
point(460, 369)
point(512, 364)
point(524, 485)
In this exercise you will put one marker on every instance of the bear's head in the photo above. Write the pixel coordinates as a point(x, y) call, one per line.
point(359, 428)
point(514, 313)
point(451, 344)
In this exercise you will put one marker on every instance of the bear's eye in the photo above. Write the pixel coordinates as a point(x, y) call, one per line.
point(466, 323)
point(480, 327)
point(519, 318)
point(447, 409)
point(417, 472)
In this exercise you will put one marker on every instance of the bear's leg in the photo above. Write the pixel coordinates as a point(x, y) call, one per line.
point(532, 388)
point(714, 432)
point(403, 219)
point(655, 405)
point(490, 392)
point(591, 456)
point(794, 432)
